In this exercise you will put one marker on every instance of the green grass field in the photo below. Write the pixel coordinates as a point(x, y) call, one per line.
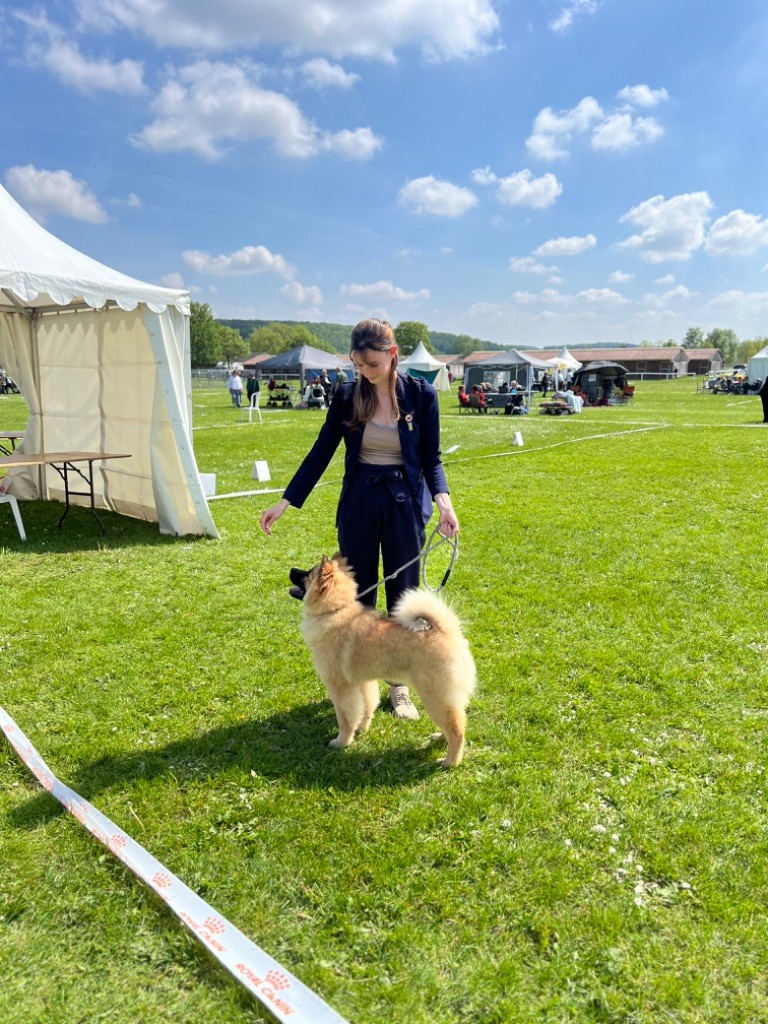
point(600, 855)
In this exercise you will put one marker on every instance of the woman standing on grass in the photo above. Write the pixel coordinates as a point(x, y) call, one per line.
point(390, 425)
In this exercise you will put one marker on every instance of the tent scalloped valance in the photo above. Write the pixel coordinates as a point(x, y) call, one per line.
point(34, 293)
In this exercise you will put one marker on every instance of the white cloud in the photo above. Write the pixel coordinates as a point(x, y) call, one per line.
point(206, 104)
point(622, 131)
point(673, 229)
point(357, 144)
point(737, 233)
point(383, 290)
point(619, 277)
point(677, 294)
point(552, 130)
point(251, 259)
point(173, 280)
point(310, 313)
point(131, 200)
point(45, 192)
point(549, 295)
point(446, 249)
point(439, 198)
point(47, 46)
point(443, 29)
point(601, 297)
point(642, 95)
point(484, 176)
point(665, 279)
point(570, 11)
point(528, 265)
point(299, 293)
point(572, 246)
point(747, 302)
point(522, 189)
point(323, 74)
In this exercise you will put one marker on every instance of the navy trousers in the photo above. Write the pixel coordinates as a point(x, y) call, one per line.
point(378, 515)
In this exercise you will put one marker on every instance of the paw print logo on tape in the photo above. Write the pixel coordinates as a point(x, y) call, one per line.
point(214, 925)
point(277, 980)
point(116, 842)
point(160, 880)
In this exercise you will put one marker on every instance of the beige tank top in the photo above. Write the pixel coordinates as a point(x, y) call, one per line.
point(381, 445)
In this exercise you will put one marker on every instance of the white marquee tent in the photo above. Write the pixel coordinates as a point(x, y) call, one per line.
point(564, 360)
point(757, 367)
point(102, 361)
point(427, 366)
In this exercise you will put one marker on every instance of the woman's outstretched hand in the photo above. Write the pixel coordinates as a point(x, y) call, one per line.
point(270, 515)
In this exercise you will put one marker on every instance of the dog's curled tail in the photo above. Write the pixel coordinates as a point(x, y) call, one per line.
point(419, 607)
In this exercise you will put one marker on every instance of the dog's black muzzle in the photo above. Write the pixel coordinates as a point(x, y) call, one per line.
point(299, 580)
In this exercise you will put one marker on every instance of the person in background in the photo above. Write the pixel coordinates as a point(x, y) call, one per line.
point(235, 385)
point(252, 386)
point(763, 393)
point(390, 425)
point(325, 384)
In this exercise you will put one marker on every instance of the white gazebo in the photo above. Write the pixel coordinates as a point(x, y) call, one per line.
point(425, 365)
point(103, 363)
point(757, 367)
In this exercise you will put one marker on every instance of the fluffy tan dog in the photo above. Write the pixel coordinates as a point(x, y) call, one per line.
point(420, 645)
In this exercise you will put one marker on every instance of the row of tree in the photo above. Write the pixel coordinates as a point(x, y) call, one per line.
point(726, 341)
point(214, 341)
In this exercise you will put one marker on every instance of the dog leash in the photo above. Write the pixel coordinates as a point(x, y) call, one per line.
point(431, 546)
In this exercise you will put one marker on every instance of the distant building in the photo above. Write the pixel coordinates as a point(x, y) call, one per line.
point(637, 361)
point(704, 360)
point(453, 362)
point(253, 361)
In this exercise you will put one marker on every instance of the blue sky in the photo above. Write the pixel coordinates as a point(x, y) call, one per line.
point(533, 173)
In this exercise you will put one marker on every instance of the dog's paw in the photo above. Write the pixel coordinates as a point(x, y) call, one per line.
point(339, 743)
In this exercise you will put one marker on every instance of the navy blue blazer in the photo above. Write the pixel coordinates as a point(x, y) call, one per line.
point(419, 429)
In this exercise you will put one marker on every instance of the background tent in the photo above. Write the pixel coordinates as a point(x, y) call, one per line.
point(102, 361)
point(420, 363)
point(303, 361)
point(563, 362)
point(757, 367)
point(591, 378)
point(510, 364)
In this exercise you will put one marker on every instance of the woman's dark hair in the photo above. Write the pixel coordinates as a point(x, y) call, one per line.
point(377, 336)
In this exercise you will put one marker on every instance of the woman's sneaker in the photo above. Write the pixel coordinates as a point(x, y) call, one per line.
point(401, 703)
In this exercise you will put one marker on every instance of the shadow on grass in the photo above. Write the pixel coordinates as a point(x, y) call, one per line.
point(79, 532)
point(290, 746)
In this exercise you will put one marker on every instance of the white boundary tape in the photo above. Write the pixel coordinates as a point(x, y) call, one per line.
point(287, 998)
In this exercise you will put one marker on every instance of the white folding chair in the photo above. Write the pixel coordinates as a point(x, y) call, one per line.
point(253, 407)
point(8, 499)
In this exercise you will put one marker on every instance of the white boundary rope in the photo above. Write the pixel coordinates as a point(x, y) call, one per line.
point(287, 998)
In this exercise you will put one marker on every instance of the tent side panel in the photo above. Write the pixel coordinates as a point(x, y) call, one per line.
point(17, 357)
point(178, 490)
